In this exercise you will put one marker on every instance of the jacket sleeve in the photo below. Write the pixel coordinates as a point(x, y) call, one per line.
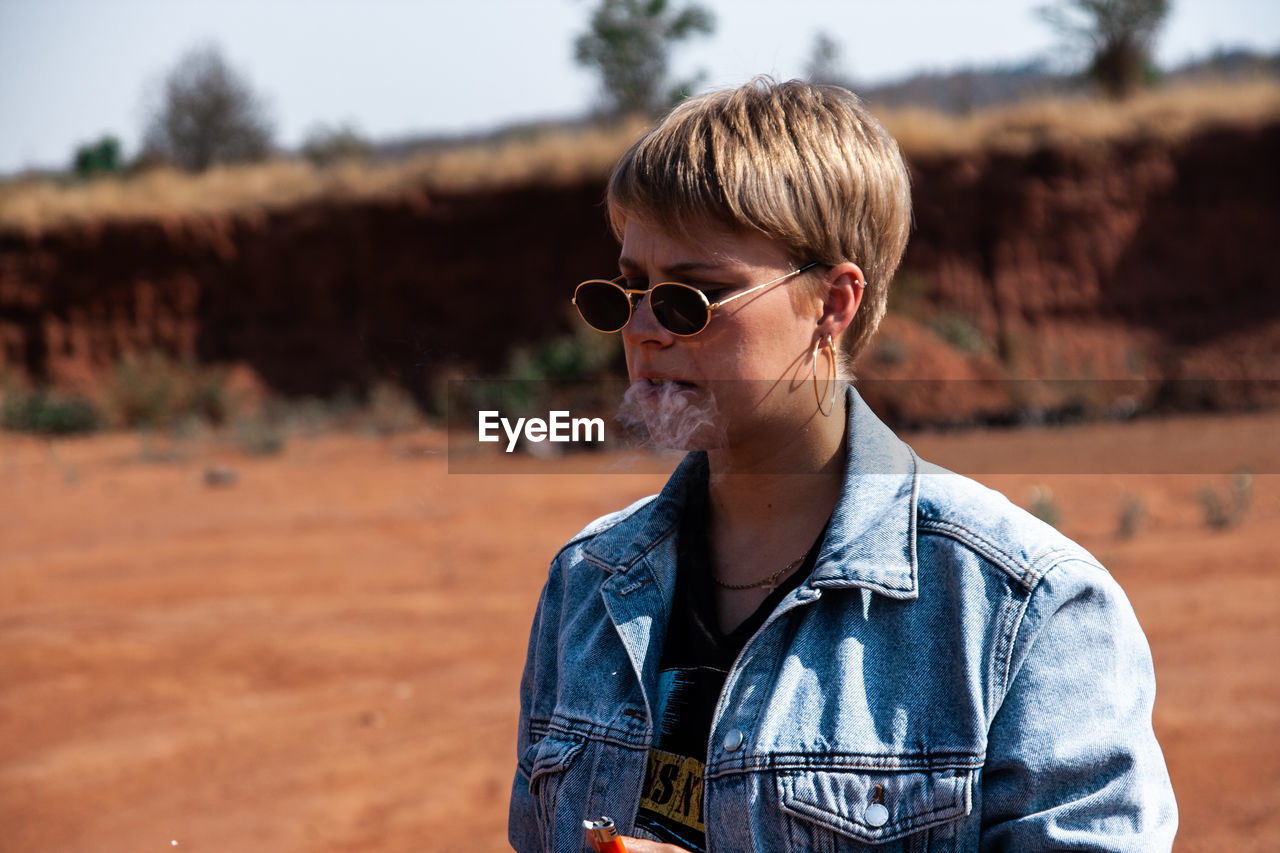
point(1072, 759)
point(540, 665)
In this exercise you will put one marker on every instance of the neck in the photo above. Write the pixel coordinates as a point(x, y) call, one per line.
point(780, 483)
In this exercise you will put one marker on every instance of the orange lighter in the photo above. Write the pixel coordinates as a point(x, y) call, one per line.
point(602, 835)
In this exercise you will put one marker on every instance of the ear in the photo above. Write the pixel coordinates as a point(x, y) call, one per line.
point(845, 285)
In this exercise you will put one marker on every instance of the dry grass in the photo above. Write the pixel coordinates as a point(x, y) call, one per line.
point(36, 204)
point(559, 156)
point(1169, 114)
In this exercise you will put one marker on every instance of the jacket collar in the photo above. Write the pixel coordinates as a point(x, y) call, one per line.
point(870, 541)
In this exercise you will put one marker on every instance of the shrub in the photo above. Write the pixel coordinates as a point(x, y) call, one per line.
point(325, 146)
point(156, 391)
point(567, 358)
point(1043, 506)
point(908, 292)
point(889, 351)
point(564, 372)
point(391, 410)
point(1132, 511)
point(49, 412)
point(959, 331)
point(1224, 509)
point(97, 158)
point(260, 435)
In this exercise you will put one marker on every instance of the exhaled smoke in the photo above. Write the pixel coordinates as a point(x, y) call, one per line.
point(671, 415)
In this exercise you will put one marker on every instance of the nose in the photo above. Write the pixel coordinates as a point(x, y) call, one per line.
point(643, 327)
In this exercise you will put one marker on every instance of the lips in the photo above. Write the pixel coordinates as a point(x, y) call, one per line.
point(659, 380)
point(656, 388)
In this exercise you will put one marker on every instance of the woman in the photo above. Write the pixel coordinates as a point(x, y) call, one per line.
point(811, 639)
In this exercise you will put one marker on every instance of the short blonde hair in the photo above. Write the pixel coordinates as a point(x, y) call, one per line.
point(804, 164)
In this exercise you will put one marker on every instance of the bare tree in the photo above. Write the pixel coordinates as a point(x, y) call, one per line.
point(628, 42)
point(209, 114)
point(824, 64)
point(1117, 33)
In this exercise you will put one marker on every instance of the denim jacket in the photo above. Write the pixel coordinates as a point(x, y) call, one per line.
point(954, 675)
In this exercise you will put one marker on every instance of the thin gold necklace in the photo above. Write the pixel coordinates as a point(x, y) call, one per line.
point(770, 582)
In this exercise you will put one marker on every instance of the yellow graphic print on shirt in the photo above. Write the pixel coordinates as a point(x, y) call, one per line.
point(673, 789)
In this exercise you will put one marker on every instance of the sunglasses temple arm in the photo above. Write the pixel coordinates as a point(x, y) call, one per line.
point(751, 290)
point(746, 292)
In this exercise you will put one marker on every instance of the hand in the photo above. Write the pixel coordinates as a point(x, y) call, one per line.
point(641, 845)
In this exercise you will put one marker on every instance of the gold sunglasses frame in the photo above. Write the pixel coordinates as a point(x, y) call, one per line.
point(707, 303)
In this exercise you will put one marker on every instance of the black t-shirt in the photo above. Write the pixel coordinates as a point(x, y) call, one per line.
point(696, 657)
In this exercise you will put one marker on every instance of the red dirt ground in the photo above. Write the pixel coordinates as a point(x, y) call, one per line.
point(324, 655)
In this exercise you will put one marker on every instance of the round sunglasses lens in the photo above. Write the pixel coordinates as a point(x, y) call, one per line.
point(602, 305)
point(679, 309)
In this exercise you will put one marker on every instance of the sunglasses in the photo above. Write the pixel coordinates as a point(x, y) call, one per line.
point(682, 310)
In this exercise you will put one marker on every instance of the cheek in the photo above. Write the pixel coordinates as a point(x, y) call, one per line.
point(765, 349)
point(722, 354)
point(761, 360)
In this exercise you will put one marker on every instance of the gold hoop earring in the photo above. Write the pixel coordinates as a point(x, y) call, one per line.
point(828, 345)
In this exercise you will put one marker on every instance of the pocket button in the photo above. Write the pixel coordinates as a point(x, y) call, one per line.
point(876, 815)
point(733, 739)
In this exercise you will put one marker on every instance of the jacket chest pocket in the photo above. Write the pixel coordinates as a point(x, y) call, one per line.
point(912, 811)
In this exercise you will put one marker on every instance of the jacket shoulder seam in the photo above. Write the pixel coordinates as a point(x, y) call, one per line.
point(604, 523)
point(1026, 574)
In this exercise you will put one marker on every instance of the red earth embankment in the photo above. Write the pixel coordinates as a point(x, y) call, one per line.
point(1134, 259)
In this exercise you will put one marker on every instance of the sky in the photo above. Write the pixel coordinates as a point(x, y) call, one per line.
point(73, 70)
